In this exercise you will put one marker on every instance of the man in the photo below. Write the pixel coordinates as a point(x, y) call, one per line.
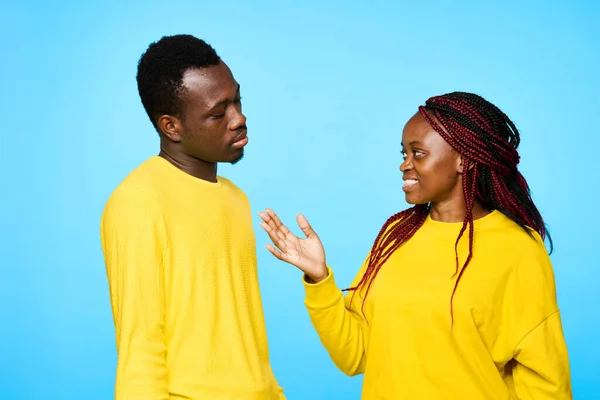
point(179, 245)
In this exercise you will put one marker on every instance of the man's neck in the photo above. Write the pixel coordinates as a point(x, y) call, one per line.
point(190, 165)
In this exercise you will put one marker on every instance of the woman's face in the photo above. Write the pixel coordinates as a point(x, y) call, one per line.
point(432, 169)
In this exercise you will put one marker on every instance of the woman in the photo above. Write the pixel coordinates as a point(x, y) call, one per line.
point(456, 299)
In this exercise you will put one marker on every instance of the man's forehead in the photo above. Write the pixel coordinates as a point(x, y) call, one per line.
point(211, 80)
point(199, 78)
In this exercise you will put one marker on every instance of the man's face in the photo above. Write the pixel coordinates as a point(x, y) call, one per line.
point(214, 128)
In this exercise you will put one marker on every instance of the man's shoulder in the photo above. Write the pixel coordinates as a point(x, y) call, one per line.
point(137, 188)
point(228, 183)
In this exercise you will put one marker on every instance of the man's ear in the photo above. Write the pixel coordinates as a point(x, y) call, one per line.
point(170, 127)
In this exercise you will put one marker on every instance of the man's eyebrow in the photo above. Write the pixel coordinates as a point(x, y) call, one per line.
point(224, 101)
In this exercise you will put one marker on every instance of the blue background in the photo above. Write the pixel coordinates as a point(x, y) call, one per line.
point(327, 89)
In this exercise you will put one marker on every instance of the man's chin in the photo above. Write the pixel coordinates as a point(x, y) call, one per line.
point(238, 158)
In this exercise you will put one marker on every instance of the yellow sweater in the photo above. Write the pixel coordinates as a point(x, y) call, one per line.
point(181, 264)
point(506, 341)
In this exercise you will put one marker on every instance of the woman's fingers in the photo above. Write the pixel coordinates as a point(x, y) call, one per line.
point(275, 238)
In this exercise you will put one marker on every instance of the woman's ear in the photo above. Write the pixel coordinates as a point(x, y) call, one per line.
point(460, 164)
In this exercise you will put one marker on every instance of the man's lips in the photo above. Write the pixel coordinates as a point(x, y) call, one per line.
point(241, 139)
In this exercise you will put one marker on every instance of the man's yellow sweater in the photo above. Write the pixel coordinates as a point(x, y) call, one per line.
point(181, 264)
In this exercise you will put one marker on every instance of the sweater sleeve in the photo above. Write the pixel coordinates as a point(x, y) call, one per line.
point(132, 234)
point(339, 322)
point(541, 368)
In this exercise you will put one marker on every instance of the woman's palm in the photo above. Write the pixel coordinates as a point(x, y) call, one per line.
point(306, 254)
